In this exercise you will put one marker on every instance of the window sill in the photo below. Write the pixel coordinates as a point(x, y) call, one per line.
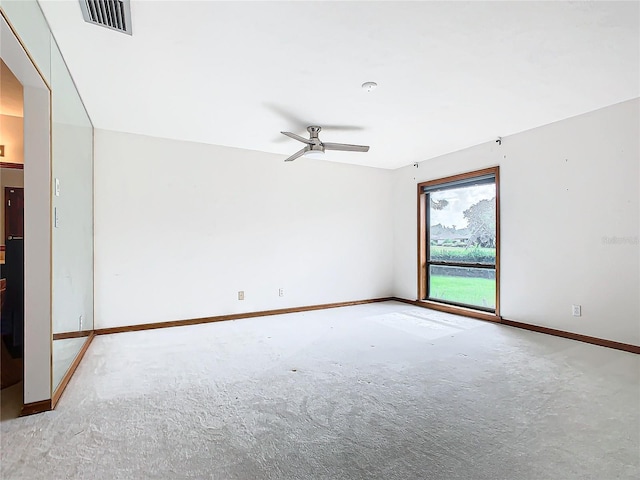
point(456, 310)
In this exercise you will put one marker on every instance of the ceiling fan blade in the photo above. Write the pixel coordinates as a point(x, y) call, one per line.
point(343, 128)
point(294, 121)
point(298, 154)
point(345, 147)
point(297, 137)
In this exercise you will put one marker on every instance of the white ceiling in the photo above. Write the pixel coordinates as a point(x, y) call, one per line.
point(450, 74)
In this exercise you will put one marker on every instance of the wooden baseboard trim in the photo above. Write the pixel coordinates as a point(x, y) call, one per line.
point(574, 336)
point(72, 369)
point(12, 165)
point(35, 407)
point(234, 316)
point(63, 335)
point(626, 347)
point(467, 312)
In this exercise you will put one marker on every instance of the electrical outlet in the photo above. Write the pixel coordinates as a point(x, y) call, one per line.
point(281, 292)
point(80, 322)
point(241, 295)
point(576, 310)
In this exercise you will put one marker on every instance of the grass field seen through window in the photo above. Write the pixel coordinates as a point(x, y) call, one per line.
point(466, 290)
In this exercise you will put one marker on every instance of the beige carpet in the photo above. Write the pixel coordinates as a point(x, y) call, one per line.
point(380, 391)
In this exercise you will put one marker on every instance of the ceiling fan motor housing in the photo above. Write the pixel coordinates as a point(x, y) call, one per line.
point(318, 147)
point(316, 144)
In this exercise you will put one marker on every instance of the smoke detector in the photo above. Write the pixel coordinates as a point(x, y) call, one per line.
point(369, 86)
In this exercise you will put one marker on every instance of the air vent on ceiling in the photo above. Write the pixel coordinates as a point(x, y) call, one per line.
point(114, 14)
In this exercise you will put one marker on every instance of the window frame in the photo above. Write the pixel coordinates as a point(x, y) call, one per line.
point(423, 244)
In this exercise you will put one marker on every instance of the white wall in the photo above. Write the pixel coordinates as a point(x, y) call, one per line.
point(12, 137)
point(11, 177)
point(181, 227)
point(73, 237)
point(570, 213)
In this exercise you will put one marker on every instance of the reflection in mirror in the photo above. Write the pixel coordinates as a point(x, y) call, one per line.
point(72, 222)
point(65, 351)
point(31, 26)
point(11, 226)
point(11, 275)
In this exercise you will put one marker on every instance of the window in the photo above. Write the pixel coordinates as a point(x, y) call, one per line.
point(458, 241)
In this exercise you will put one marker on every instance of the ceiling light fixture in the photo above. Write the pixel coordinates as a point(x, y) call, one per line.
point(369, 86)
point(315, 154)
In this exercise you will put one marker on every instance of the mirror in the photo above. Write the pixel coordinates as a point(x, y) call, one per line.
point(56, 271)
point(11, 225)
point(72, 219)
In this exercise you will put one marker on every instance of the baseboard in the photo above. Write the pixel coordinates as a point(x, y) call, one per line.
point(36, 407)
point(12, 165)
point(626, 347)
point(64, 335)
point(72, 369)
point(234, 316)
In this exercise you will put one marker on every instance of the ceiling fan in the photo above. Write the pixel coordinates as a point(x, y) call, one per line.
point(315, 147)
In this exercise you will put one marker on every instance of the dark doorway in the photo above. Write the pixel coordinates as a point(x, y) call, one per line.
point(14, 212)
point(12, 309)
